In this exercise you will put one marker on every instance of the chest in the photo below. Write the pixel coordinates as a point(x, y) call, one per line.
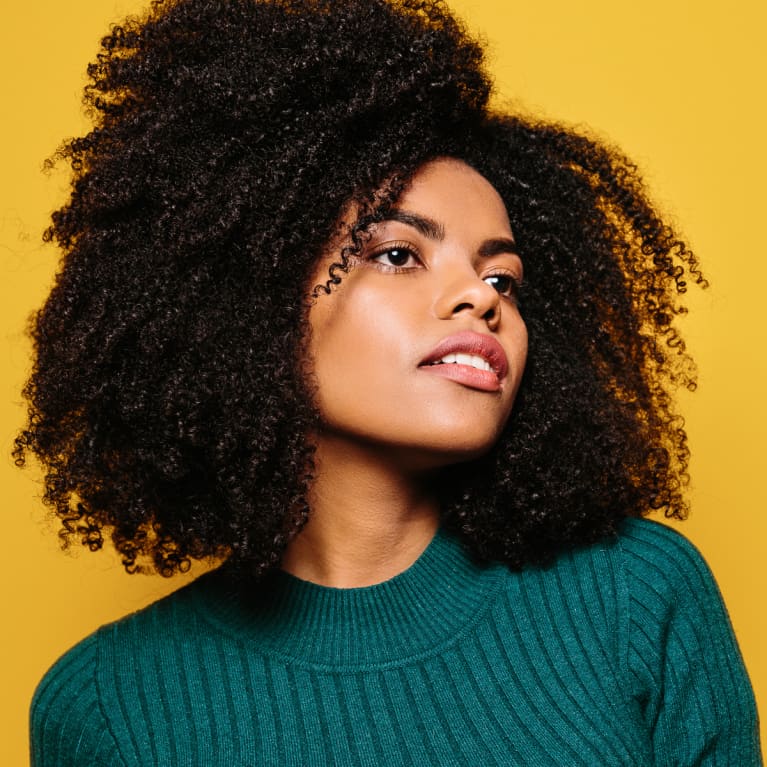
point(488, 700)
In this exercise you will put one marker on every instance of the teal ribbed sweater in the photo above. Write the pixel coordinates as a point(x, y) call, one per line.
point(619, 654)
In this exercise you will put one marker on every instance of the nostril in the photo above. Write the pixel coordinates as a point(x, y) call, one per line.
point(462, 307)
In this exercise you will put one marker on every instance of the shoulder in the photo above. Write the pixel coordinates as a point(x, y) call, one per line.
point(661, 582)
point(635, 589)
point(67, 726)
point(73, 714)
point(682, 657)
point(649, 563)
point(667, 583)
point(656, 550)
point(645, 560)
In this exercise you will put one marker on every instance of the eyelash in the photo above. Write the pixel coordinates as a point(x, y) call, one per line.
point(512, 292)
point(393, 247)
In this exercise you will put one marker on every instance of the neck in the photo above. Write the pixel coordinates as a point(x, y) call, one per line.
point(369, 520)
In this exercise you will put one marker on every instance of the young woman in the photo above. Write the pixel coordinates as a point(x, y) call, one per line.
point(405, 366)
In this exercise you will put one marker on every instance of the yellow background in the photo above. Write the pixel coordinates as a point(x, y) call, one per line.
point(678, 84)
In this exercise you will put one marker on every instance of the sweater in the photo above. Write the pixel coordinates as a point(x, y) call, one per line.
point(617, 654)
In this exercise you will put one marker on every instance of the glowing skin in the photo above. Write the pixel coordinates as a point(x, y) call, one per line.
point(444, 270)
point(434, 284)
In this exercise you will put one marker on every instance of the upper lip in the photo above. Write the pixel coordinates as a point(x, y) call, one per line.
point(468, 342)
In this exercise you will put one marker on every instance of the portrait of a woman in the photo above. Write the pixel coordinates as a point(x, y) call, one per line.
point(404, 365)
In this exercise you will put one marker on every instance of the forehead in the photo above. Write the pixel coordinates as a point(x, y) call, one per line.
point(451, 191)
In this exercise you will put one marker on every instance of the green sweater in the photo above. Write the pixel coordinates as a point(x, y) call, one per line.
point(619, 654)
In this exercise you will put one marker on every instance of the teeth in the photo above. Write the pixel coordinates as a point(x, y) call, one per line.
point(472, 360)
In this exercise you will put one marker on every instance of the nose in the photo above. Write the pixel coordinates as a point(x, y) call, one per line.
point(463, 291)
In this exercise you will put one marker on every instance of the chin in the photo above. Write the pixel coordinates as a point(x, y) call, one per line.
point(466, 444)
point(468, 453)
point(444, 455)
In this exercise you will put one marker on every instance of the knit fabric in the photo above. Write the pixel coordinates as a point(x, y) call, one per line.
point(619, 654)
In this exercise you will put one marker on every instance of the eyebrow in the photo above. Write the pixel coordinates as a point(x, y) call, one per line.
point(497, 246)
point(433, 230)
point(428, 227)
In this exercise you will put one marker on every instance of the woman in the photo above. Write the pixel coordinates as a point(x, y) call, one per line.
point(292, 331)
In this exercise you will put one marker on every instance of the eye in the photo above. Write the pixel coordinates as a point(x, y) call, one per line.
point(506, 285)
point(396, 256)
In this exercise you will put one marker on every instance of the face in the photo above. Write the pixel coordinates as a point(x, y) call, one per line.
point(418, 353)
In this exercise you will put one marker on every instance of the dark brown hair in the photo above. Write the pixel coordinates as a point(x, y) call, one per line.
point(165, 400)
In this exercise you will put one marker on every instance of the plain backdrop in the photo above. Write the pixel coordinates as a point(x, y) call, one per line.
point(679, 85)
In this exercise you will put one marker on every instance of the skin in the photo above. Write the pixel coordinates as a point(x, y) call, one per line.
point(444, 265)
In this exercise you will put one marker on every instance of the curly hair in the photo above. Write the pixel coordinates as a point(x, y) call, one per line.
point(167, 401)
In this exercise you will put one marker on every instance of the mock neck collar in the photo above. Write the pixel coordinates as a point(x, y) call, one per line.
point(414, 614)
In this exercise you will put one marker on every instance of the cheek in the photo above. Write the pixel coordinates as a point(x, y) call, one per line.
point(359, 342)
point(361, 319)
point(520, 352)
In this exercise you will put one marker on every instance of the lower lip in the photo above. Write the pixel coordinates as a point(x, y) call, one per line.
point(484, 380)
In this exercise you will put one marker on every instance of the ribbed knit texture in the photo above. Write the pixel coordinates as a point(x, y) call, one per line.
point(620, 654)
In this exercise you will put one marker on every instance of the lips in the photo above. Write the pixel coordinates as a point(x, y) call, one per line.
point(468, 355)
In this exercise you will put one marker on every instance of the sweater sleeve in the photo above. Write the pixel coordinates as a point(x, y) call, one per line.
point(685, 667)
point(67, 726)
